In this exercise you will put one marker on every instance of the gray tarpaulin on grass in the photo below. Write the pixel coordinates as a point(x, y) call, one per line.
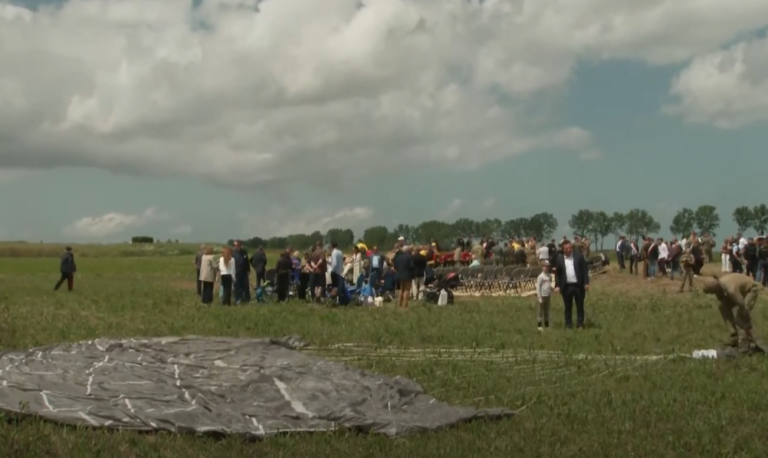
point(255, 387)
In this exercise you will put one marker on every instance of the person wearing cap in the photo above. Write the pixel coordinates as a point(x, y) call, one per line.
point(67, 269)
point(737, 294)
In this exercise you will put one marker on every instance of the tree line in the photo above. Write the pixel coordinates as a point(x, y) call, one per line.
point(596, 225)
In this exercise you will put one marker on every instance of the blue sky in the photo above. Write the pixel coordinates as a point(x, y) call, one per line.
point(648, 158)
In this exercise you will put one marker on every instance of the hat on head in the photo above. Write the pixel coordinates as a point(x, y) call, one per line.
point(400, 239)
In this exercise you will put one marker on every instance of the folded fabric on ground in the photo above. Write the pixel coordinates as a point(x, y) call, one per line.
point(253, 387)
point(756, 348)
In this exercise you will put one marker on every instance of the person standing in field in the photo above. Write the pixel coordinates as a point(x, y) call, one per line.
point(419, 272)
point(197, 262)
point(207, 275)
point(243, 274)
point(572, 283)
point(544, 294)
point(228, 273)
point(67, 269)
point(259, 264)
point(687, 262)
point(404, 270)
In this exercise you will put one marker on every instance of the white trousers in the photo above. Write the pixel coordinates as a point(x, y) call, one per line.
point(725, 259)
point(417, 288)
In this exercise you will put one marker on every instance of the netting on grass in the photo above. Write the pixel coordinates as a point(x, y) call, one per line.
point(528, 369)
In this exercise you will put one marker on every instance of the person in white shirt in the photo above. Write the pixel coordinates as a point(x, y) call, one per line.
point(227, 272)
point(742, 241)
point(663, 256)
point(543, 254)
point(544, 294)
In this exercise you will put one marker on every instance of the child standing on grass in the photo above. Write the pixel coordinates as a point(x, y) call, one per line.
point(544, 294)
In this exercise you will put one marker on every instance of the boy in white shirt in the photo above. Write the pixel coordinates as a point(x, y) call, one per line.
point(544, 294)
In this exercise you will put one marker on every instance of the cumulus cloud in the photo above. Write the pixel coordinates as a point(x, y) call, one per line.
point(285, 222)
point(727, 88)
point(237, 94)
point(111, 223)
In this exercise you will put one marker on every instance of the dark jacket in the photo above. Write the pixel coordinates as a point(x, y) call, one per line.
point(403, 265)
point(259, 261)
point(579, 265)
point(762, 253)
point(284, 264)
point(241, 260)
point(419, 265)
point(68, 265)
point(653, 252)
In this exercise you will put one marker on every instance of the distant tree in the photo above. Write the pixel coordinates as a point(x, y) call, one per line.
point(277, 243)
point(743, 217)
point(683, 223)
point(640, 222)
point(143, 239)
point(514, 228)
point(618, 224)
point(466, 228)
point(435, 230)
point(344, 237)
point(542, 226)
point(581, 221)
point(600, 226)
point(376, 236)
point(707, 219)
point(760, 218)
point(406, 231)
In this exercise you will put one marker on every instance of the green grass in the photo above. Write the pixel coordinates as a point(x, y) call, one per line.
point(571, 407)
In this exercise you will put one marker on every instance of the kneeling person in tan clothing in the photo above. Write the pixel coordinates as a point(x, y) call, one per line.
point(737, 294)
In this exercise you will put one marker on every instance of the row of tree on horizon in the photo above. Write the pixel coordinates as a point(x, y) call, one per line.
point(597, 225)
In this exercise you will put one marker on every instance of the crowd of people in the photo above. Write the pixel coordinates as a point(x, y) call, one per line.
point(657, 257)
point(323, 273)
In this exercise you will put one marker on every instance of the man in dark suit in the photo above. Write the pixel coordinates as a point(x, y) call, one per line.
point(572, 283)
point(242, 273)
point(259, 264)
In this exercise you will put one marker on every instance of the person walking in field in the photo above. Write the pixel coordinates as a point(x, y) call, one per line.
point(737, 294)
point(544, 294)
point(687, 262)
point(67, 269)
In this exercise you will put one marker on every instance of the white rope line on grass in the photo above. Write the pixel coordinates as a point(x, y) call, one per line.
point(358, 351)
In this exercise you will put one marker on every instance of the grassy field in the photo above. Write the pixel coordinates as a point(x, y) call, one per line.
point(570, 407)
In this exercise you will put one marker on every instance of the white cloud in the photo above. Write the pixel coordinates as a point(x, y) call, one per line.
point(182, 229)
point(489, 203)
point(591, 155)
point(451, 209)
point(111, 223)
point(728, 88)
point(236, 97)
point(284, 222)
